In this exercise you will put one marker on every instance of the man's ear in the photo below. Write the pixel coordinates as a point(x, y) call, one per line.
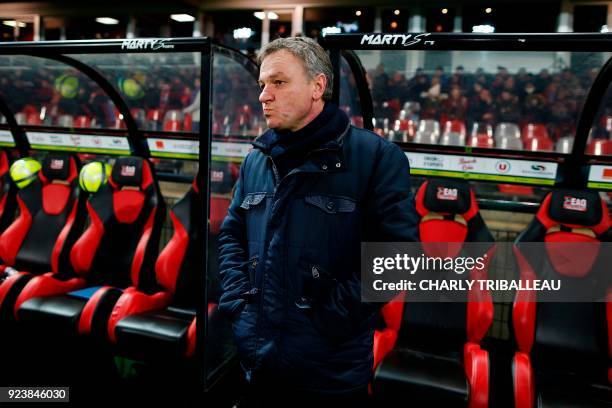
point(320, 83)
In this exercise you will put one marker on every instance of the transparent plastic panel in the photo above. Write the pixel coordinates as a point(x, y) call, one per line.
point(160, 89)
point(43, 92)
point(506, 100)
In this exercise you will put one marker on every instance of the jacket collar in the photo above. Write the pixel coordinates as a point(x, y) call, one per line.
point(327, 158)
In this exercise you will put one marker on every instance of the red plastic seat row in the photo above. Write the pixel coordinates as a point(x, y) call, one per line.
point(144, 310)
point(113, 258)
point(51, 216)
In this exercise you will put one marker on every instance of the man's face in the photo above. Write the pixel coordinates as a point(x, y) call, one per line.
point(287, 94)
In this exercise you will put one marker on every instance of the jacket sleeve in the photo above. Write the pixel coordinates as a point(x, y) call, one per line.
point(391, 217)
point(390, 206)
point(233, 256)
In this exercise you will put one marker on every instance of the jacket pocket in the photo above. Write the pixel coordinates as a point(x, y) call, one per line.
point(255, 208)
point(317, 282)
point(325, 224)
point(252, 295)
point(331, 204)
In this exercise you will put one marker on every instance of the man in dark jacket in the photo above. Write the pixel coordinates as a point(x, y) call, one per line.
point(309, 193)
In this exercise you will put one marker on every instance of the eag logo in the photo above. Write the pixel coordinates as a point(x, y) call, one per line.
point(151, 44)
point(57, 164)
point(538, 167)
point(128, 171)
point(216, 176)
point(393, 39)
point(447, 194)
point(574, 203)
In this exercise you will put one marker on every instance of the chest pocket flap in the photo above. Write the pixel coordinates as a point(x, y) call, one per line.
point(331, 205)
point(252, 199)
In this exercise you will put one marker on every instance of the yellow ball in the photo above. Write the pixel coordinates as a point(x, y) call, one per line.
point(24, 171)
point(67, 86)
point(131, 88)
point(94, 175)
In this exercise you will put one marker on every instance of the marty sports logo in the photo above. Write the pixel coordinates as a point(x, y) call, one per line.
point(448, 194)
point(393, 39)
point(146, 44)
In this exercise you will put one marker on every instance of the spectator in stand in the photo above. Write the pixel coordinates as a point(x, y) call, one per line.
point(508, 107)
point(194, 108)
point(483, 109)
point(416, 86)
point(456, 105)
point(380, 84)
point(542, 80)
point(398, 88)
point(534, 105)
point(439, 73)
point(431, 99)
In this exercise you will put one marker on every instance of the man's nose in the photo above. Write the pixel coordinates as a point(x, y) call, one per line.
point(265, 95)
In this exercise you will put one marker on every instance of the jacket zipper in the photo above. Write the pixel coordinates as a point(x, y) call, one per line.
point(263, 280)
point(277, 182)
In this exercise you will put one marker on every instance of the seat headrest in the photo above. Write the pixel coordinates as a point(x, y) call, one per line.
point(575, 207)
point(128, 171)
point(445, 196)
point(57, 166)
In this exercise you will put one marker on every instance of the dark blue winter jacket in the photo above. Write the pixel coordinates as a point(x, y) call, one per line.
point(290, 258)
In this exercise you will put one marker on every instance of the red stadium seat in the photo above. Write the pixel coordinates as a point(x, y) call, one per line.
point(534, 130)
point(563, 349)
point(82, 121)
point(600, 147)
point(454, 133)
point(539, 144)
point(33, 119)
point(154, 119)
point(173, 121)
point(188, 122)
point(170, 332)
point(482, 135)
point(481, 140)
point(431, 351)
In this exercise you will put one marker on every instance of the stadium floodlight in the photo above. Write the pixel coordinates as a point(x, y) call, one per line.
point(242, 33)
point(182, 18)
point(484, 28)
point(330, 30)
point(13, 23)
point(107, 20)
point(271, 15)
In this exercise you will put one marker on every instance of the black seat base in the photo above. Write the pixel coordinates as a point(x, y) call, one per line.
point(572, 392)
point(60, 313)
point(159, 334)
point(425, 378)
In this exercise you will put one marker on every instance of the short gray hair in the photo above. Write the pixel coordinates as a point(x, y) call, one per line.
point(315, 58)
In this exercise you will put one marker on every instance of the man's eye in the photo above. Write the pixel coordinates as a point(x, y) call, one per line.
point(261, 86)
point(278, 82)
